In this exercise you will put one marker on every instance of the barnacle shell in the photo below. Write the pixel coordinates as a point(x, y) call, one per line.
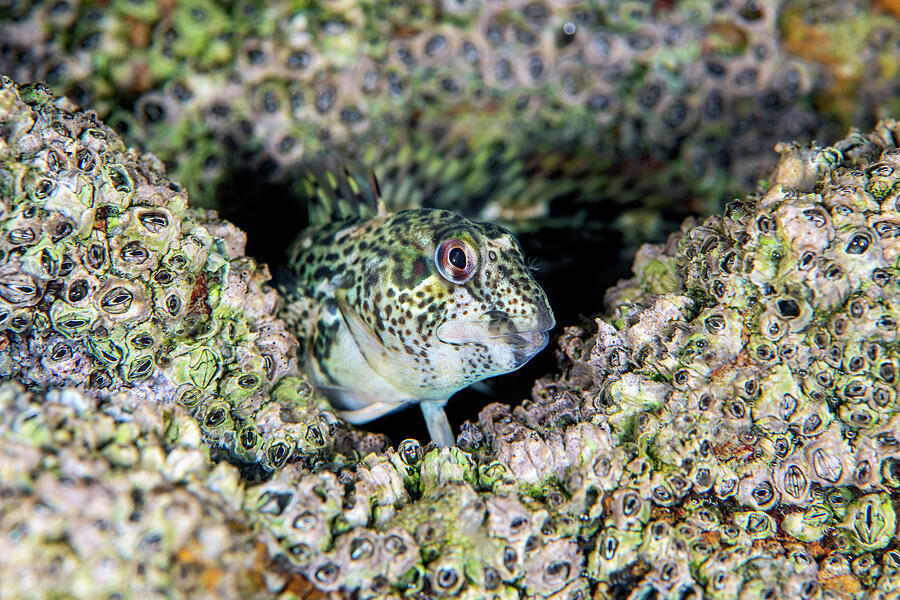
point(729, 429)
point(550, 98)
point(149, 295)
point(797, 299)
point(83, 519)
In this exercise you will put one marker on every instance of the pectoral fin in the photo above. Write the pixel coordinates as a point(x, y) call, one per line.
point(369, 343)
point(438, 426)
point(368, 413)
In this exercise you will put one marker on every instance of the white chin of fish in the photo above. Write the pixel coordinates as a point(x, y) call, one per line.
point(524, 344)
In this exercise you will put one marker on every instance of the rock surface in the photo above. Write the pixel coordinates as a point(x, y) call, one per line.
point(531, 112)
point(728, 428)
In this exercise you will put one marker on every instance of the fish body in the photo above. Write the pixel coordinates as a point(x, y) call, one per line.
point(407, 307)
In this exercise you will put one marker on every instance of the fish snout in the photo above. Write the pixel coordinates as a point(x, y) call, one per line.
point(503, 323)
point(545, 319)
point(514, 338)
point(525, 332)
point(524, 335)
point(527, 343)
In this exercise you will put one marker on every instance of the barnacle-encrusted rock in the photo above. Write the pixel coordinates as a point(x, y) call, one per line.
point(497, 109)
point(748, 375)
point(109, 282)
point(361, 529)
point(96, 506)
point(729, 430)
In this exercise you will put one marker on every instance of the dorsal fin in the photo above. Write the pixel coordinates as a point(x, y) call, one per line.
point(338, 188)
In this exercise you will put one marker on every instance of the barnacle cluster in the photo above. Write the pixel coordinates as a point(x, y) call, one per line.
point(444, 523)
point(108, 281)
point(494, 109)
point(95, 506)
point(729, 429)
point(749, 372)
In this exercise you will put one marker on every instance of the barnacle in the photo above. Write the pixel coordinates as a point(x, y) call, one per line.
point(146, 513)
point(110, 282)
point(760, 371)
point(729, 428)
point(501, 111)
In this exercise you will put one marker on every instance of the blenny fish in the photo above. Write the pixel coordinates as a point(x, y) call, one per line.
point(408, 307)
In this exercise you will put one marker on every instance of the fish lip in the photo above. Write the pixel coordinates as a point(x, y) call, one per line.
point(525, 345)
point(527, 341)
point(530, 340)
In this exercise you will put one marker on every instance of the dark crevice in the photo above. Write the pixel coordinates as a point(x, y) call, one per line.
point(593, 257)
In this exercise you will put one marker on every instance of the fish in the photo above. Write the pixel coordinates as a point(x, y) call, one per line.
point(399, 308)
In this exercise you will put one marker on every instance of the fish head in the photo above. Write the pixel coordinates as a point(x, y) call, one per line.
point(451, 303)
point(496, 305)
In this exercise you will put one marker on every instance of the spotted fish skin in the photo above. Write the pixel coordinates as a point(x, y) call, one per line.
point(382, 326)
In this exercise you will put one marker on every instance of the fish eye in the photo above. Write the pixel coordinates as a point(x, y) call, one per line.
point(456, 260)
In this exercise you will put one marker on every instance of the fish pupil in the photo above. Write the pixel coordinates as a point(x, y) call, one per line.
point(457, 258)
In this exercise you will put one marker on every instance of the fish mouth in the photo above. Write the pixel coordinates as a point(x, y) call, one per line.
point(526, 341)
point(525, 337)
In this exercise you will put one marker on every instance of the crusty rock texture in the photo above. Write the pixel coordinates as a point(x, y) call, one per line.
point(728, 429)
point(531, 111)
point(97, 504)
point(748, 372)
point(109, 281)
